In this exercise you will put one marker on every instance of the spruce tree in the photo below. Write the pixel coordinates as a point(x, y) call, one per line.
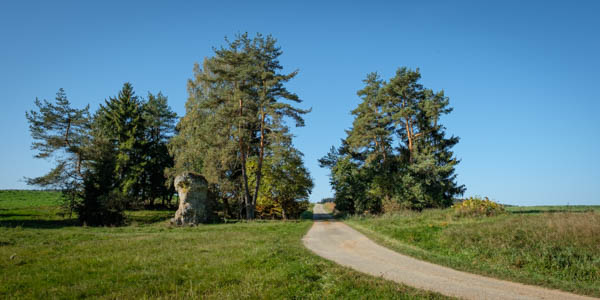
point(121, 119)
point(159, 122)
point(102, 201)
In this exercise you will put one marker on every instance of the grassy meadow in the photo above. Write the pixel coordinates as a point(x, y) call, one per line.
point(552, 246)
point(46, 255)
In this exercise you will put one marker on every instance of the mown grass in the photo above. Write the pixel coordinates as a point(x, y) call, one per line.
point(558, 250)
point(32, 209)
point(151, 259)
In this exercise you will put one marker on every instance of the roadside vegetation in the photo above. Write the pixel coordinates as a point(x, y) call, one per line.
point(394, 179)
point(43, 255)
point(556, 247)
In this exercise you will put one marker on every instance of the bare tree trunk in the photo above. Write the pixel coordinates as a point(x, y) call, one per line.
point(410, 139)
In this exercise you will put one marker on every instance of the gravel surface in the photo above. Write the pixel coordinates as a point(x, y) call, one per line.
point(338, 242)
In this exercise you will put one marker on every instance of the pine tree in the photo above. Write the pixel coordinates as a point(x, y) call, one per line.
point(402, 96)
point(371, 133)
point(369, 142)
point(271, 110)
point(427, 164)
point(205, 139)
point(60, 132)
point(368, 173)
point(234, 103)
point(238, 94)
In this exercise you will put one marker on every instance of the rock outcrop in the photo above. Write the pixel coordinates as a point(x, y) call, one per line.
point(193, 199)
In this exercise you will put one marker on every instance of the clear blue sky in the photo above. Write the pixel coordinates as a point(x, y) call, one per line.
point(522, 76)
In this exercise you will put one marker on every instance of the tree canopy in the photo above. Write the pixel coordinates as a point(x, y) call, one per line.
point(236, 112)
point(236, 133)
point(107, 162)
point(396, 155)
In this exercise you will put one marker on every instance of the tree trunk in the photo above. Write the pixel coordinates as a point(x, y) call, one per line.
point(226, 207)
point(283, 215)
point(243, 154)
point(409, 138)
point(247, 200)
point(379, 146)
point(260, 157)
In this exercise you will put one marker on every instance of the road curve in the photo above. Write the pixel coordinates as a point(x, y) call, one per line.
point(338, 242)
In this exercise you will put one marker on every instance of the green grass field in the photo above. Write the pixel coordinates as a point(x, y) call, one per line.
point(43, 255)
point(557, 247)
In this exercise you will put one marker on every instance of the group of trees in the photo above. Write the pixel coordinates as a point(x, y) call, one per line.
point(396, 155)
point(234, 132)
point(105, 162)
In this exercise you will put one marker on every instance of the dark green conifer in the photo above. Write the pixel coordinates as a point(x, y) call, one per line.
point(122, 121)
point(368, 173)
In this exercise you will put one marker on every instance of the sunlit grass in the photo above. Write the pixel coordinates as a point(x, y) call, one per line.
point(151, 259)
point(559, 250)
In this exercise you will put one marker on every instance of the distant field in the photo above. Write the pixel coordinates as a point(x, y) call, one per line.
point(550, 209)
point(553, 246)
point(15, 199)
point(44, 256)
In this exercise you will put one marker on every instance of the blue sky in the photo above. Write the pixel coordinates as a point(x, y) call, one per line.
point(522, 77)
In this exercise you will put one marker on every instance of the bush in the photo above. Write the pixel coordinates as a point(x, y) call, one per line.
point(276, 210)
point(330, 207)
point(477, 207)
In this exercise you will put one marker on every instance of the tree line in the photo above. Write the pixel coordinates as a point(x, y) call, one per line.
point(396, 155)
point(234, 133)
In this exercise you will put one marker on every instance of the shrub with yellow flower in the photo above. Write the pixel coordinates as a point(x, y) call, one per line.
point(478, 207)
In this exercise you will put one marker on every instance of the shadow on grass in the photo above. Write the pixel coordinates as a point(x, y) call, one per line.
point(39, 224)
point(322, 217)
point(10, 215)
point(147, 219)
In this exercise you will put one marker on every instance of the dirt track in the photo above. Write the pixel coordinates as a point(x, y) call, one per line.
point(338, 242)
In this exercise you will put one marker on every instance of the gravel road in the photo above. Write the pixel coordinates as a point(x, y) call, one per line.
point(338, 242)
